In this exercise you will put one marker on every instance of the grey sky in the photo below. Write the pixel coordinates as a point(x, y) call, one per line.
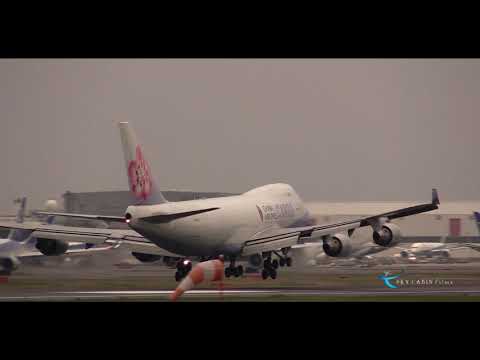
point(334, 129)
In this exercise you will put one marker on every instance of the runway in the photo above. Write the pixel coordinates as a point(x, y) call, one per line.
point(99, 280)
point(218, 295)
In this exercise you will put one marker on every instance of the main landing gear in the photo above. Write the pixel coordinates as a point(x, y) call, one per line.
point(233, 270)
point(270, 266)
point(183, 268)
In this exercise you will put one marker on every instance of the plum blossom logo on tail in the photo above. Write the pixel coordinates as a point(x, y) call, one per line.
point(139, 174)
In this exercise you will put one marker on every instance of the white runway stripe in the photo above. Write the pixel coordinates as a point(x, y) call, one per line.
point(117, 294)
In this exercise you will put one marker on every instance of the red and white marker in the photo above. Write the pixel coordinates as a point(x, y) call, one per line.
point(212, 270)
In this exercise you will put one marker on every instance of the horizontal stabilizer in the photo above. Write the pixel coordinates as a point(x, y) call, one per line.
point(85, 216)
point(163, 218)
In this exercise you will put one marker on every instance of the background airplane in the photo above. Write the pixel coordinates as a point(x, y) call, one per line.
point(20, 244)
point(439, 249)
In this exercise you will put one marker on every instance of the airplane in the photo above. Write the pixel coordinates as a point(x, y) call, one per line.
point(261, 224)
point(20, 244)
point(440, 249)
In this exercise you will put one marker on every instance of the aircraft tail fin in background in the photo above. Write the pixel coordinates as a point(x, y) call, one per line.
point(21, 210)
point(20, 234)
point(140, 180)
point(477, 220)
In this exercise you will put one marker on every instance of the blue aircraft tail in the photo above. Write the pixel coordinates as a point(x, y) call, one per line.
point(20, 234)
point(21, 210)
point(477, 220)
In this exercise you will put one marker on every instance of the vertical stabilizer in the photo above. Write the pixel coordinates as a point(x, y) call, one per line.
point(20, 234)
point(140, 180)
point(477, 220)
point(21, 210)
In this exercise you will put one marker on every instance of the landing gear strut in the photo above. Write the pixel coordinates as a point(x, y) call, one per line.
point(233, 270)
point(270, 266)
point(284, 260)
point(183, 268)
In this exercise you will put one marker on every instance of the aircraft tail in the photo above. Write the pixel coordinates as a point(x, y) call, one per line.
point(140, 180)
point(477, 220)
point(20, 234)
point(21, 210)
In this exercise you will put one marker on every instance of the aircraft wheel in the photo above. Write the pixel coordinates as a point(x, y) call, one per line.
point(275, 264)
point(228, 272)
point(282, 262)
point(264, 274)
point(240, 270)
point(273, 274)
point(289, 262)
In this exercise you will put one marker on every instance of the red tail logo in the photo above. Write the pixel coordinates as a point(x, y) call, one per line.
point(139, 174)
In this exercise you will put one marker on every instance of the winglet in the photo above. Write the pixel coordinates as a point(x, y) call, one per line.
point(435, 199)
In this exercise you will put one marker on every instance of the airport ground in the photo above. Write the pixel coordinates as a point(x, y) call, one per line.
point(100, 277)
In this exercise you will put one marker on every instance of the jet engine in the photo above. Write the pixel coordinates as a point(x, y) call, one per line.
point(338, 245)
point(146, 258)
point(443, 253)
point(8, 264)
point(388, 235)
point(404, 254)
point(50, 247)
point(255, 260)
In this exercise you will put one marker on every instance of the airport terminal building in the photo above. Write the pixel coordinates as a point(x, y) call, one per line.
point(115, 202)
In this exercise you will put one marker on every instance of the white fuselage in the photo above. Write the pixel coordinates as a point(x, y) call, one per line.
point(421, 247)
point(426, 249)
point(224, 229)
point(17, 242)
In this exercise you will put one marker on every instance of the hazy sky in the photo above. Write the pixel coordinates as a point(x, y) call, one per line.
point(334, 129)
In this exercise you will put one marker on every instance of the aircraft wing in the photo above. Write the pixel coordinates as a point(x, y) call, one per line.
point(84, 216)
point(277, 238)
point(114, 237)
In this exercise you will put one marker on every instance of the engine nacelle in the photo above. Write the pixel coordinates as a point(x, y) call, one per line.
point(146, 258)
point(8, 264)
point(50, 247)
point(388, 235)
point(338, 245)
point(443, 253)
point(404, 254)
point(255, 260)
